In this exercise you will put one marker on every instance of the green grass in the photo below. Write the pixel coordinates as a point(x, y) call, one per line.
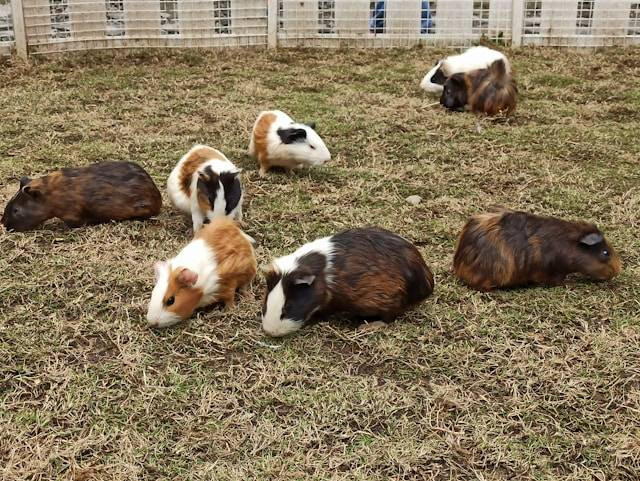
point(526, 384)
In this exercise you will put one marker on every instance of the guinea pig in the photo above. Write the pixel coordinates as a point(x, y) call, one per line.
point(489, 91)
point(278, 141)
point(368, 273)
point(471, 59)
point(209, 269)
point(86, 195)
point(506, 248)
point(205, 184)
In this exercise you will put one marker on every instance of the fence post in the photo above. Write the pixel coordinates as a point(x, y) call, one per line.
point(272, 23)
point(19, 30)
point(517, 12)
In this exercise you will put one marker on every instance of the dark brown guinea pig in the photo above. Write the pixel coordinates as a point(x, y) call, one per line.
point(489, 91)
point(86, 195)
point(508, 248)
point(370, 273)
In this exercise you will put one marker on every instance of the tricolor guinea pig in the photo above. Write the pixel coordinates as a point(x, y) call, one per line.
point(86, 195)
point(205, 184)
point(474, 58)
point(508, 248)
point(209, 269)
point(278, 141)
point(489, 91)
point(369, 273)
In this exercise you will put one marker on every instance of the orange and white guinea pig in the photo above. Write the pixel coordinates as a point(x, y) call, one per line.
point(209, 269)
point(278, 141)
point(205, 184)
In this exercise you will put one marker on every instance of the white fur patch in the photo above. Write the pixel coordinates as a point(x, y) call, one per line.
point(429, 86)
point(272, 322)
point(289, 263)
point(157, 316)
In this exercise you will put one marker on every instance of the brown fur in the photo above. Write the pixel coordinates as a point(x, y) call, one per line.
point(260, 132)
point(491, 91)
point(191, 165)
point(86, 195)
point(508, 248)
point(186, 296)
point(237, 264)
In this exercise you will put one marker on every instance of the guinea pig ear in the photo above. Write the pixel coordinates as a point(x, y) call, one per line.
point(291, 135)
point(592, 239)
point(24, 181)
point(312, 125)
point(31, 191)
point(304, 280)
point(187, 277)
point(158, 267)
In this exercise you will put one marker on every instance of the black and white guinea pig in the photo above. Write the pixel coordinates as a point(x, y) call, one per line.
point(471, 59)
point(205, 184)
point(278, 141)
point(369, 273)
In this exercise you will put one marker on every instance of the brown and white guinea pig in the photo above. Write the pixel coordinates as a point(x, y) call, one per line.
point(368, 272)
point(506, 248)
point(205, 184)
point(209, 269)
point(86, 195)
point(278, 141)
point(489, 91)
point(473, 58)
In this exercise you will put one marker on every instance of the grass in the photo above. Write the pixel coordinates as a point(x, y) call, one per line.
point(528, 384)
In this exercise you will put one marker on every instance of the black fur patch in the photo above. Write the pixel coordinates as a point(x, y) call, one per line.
point(303, 299)
point(232, 190)
point(208, 183)
point(454, 95)
point(291, 135)
point(272, 278)
point(438, 77)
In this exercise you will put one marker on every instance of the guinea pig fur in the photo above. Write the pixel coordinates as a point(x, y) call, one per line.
point(508, 248)
point(489, 91)
point(86, 195)
point(205, 184)
point(217, 262)
point(471, 59)
point(369, 273)
point(278, 141)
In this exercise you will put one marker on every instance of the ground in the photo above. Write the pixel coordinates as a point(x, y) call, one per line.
point(524, 384)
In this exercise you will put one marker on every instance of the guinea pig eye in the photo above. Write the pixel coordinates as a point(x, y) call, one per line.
point(312, 147)
point(605, 253)
point(170, 301)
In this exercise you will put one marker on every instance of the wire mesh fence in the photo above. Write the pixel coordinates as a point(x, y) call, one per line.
point(590, 23)
point(6, 27)
point(393, 23)
point(57, 25)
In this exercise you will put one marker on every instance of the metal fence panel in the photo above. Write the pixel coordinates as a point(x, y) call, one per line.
point(6, 27)
point(58, 25)
point(392, 22)
point(63, 25)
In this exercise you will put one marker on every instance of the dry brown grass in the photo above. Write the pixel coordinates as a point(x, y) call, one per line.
point(524, 384)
